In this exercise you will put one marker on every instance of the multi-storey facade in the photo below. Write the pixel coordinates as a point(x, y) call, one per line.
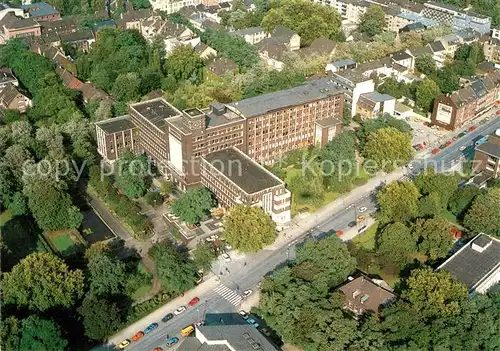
point(355, 83)
point(172, 6)
point(454, 110)
point(263, 128)
point(487, 156)
point(450, 15)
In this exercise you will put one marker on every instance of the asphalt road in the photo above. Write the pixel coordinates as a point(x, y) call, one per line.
point(245, 272)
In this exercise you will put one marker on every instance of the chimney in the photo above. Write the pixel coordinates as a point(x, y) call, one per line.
point(481, 243)
point(355, 293)
point(218, 108)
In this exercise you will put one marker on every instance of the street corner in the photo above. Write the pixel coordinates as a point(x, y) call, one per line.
point(251, 301)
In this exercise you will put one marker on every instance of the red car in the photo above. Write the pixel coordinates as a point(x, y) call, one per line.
point(137, 336)
point(472, 128)
point(194, 301)
point(435, 151)
point(448, 143)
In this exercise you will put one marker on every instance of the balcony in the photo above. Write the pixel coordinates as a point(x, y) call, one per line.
point(281, 197)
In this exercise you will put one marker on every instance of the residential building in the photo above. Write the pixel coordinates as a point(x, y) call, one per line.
point(235, 179)
point(11, 98)
point(341, 65)
point(447, 14)
point(272, 52)
point(402, 111)
point(354, 83)
point(7, 77)
point(12, 26)
point(495, 33)
point(487, 157)
point(62, 26)
point(374, 104)
point(205, 51)
point(287, 37)
point(252, 35)
point(404, 19)
point(363, 295)
point(133, 19)
point(221, 65)
point(439, 53)
point(116, 136)
point(7, 7)
point(41, 11)
point(325, 130)
point(417, 52)
point(319, 47)
point(452, 111)
point(237, 336)
point(81, 39)
point(476, 264)
point(403, 58)
point(492, 51)
point(416, 27)
point(172, 6)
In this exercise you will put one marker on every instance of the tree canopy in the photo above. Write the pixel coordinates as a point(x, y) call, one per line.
point(396, 243)
point(101, 318)
point(41, 334)
point(309, 20)
point(435, 237)
point(398, 202)
point(427, 91)
point(483, 214)
point(248, 229)
point(372, 22)
point(193, 205)
point(106, 274)
point(133, 176)
point(27, 283)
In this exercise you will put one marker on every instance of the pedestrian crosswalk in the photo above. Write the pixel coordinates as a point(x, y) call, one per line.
point(228, 294)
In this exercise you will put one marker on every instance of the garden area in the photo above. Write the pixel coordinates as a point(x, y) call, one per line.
point(65, 242)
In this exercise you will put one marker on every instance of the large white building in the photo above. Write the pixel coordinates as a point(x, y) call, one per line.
point(172, 6)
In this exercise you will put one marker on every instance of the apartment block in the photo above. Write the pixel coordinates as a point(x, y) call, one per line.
point(487, 157)
point(172, 6)
point(116, 136)
point(355, 83)
point(452, 111)
point(371, 105)
point(236, 179)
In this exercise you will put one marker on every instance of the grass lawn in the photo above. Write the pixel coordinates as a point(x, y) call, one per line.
point(5, 216)
point(367, 239)
point(61, 242)
point(144, 288)
point(66, 242)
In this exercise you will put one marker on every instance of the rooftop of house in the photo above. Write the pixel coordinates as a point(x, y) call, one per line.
point(247, 31)
point(400, 56)
point(428, 22)
point(475, 261)
point(6, 75)
point(136, 15)
point(62, 25)
point(283, 34)
point(328, 122)
point(221, 65)
point(437, 46)
point(417, 26)
point(271, 47)
point(155, 111)
point(248, 175)
point(69, 80)
point(170, 29)
point(322, 46)
point(352, 75)
point(363, 295)
point(39, 9)
point(80, 35)
point(7, 5)
point(7, 93)
point(303, 94)
point(200, 47)
point(117, 124)
point(402, 108)
point(476, 89)
point(208, 23)
point(343, 63)
point(377, 97)
point(11, 21)
point(420, 51)
point(490, 148)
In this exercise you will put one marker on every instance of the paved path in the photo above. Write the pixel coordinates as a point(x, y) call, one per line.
point(155, 281)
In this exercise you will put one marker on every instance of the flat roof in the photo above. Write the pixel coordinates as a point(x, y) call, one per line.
point(400, 107)
point(117, 124)
point(240, 337)
point(155, 111)
point(470, 266)
point(308, 92)
point(490, 149)
point(242, 171)
point(327, 122)
point(378, 97)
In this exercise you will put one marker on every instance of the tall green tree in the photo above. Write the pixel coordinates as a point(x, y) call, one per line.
point(203, 256)
point(462, 199)
point(427, 91)
point(106, 274)
point(27, 285)
point(185, 64)
point(372, 22)
point(127, 87)
point(10, 333)
point(426, 65)
point(387, 148)
point(398, 202)
point(248, 229)
point(435, 294)
point(133, 176)
point(101, 318)
point(430, 181)
point(435, 237)
point(193, 205)
point(177, 274)
point(396, 243)
point(309, 20)
point(483, 214)
point(41, 334)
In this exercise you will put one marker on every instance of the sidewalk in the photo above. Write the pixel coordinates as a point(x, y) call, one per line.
point(311, 220)
point(200, 290)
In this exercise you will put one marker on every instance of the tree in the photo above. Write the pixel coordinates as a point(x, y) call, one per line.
point(387, 149)
point(185, 64)
point(309, 20)
point(176, 273)
point(104, 111)
point(398, 202)
point(248, 229)
point(27, 283)
point(133, 176)
point(106, 274)
point(397, 244)
point(427, 91)
point(434, 235)
point(193, 205)
point(203, 256)
point(431, 205)
point(9, 334)
point(153, 198)
point(483, 214)
point(19, 239)
point(101, 318)
point(166, 188)
point(338, 160)
point(127, 87)
point(426, 65)
point(372, 22)
point(448, 80)
point(435, 294)
point(462, 199)
point(431, 181)
point(41, 334)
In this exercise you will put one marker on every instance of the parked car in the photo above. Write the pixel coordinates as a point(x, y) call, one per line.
point(435, 151)
point(362, 229)
point(339, 232)
point(243, 314)
point(167, 317)
point(138, 336)
point(179, 310)
point(186, 331)
point(124, 344)
point(200, 323)
point(150, 328)
point(157, 349)
point(474, 127)
point(247, 293)
point(352, 224)
point(362, 209)
point(172, 341)
point(194, 301)
point(226, 257)
point(361, 218)
point(462, 148)
point(252, 321)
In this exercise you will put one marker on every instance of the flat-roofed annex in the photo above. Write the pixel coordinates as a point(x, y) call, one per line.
point(156, 111)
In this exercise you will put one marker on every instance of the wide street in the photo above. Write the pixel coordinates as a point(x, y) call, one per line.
point(221, 293)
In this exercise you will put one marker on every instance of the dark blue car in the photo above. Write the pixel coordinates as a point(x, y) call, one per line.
point(150, 328)
point(172, 341)
point(167, 317)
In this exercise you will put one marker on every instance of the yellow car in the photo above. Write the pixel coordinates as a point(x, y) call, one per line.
point(361, 218)
point(124, 344)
